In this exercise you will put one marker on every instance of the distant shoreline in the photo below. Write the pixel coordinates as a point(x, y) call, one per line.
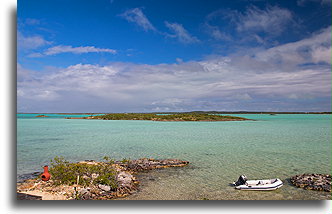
point(199, 112)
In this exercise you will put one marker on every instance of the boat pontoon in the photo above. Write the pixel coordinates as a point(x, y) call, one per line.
point(269, 184)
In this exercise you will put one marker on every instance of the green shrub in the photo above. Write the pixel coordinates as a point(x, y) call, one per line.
point(125, 161)
point(64, 172)
point(107, 179)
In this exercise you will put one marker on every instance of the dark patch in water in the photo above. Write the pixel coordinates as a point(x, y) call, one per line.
point(209, 154)
point(23, 177)
point(24, 196)
point(288, 181)
point(45, 139)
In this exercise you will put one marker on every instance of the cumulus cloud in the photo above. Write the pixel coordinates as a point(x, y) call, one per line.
point(322, 54)
point(204, 85)
point(180, 33)
point(137, 16)
point(239, 82)
point(315, 49)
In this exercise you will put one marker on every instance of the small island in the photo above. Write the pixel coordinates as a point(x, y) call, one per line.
point(41, 115)
point(165, 117)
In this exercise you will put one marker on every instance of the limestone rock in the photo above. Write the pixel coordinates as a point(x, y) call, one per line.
point(104, 187)
point(319, 182)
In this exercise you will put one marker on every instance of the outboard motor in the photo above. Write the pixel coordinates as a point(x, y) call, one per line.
point(242, 180)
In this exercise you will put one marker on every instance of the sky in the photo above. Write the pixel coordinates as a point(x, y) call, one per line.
point(167, 55)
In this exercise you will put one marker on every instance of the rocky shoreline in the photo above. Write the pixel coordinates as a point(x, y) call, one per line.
point(36, 189)
point(319, 182)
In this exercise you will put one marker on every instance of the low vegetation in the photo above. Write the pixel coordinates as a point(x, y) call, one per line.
point(168, 117)
point(64, 172)
point(94, 180)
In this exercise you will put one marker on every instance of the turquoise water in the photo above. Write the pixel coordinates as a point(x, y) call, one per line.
point(272, 146)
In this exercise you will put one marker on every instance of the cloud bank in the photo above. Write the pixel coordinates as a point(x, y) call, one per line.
point(291, 77)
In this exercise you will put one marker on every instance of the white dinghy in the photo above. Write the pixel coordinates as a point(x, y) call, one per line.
point(268, 184)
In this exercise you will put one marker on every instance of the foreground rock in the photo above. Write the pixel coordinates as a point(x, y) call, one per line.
point(127, 183)
point(148, 164)
point(320, 182)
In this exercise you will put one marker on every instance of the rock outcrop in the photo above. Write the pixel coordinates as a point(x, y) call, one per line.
point(149, 164)
point(320, 182)
point(127, 183)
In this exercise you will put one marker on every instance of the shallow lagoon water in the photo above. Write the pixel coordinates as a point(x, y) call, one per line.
point(272, 146)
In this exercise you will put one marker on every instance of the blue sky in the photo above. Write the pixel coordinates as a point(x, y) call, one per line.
point(145, 56)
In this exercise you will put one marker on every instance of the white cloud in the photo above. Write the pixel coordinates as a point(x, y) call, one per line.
point(322, 54)
point(30, 42)
point(316, 48)
point(192, 85)
point(322, 2)
point(257, 25)
point(137, 16)
point(180, 33)
point(187, 87)
point(215, 32)
point(76, 50)
point(23, 74)
point(35, 55)
point(272, 20)
point(30, 21)
point(69, 49)
point(239, 82)
point(81, 78)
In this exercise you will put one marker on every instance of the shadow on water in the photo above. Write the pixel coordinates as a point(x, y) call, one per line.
point(288, 181)
point(72, 205)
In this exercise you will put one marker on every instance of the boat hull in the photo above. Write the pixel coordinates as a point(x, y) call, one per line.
point(261, 185)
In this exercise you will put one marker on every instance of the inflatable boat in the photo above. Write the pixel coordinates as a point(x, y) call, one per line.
point(269, 184)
